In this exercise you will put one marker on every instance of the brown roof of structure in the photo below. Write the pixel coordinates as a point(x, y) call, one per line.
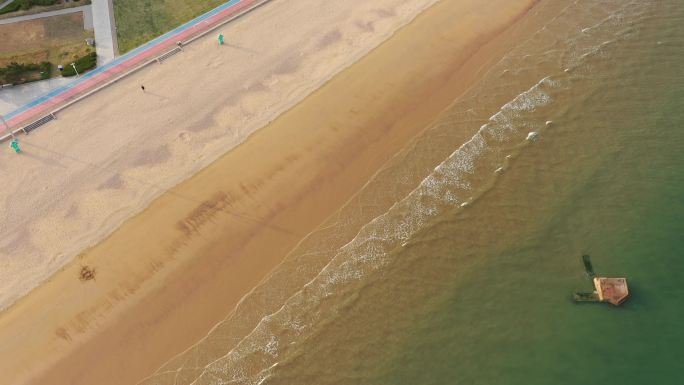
point(613, 290)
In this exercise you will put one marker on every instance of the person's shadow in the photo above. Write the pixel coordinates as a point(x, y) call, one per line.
point(234, 46)
point(157, 95)
point(47, 161)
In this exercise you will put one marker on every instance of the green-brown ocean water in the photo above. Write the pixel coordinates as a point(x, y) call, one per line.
point(465, 274)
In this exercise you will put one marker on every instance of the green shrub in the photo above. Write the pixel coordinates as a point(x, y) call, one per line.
point(24, 4)
point(43, 2)
point(16, 73)
point(82, 64)
point(45, 70)
point(12, 73)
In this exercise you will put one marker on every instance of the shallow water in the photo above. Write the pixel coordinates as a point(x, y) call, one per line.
point(467, 256)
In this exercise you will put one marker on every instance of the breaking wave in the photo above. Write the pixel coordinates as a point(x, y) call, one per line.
point(567, 47)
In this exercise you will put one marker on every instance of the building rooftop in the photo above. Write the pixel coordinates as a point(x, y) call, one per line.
point(613, 290)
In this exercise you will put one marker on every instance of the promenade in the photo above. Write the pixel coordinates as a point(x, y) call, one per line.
point(92, 81)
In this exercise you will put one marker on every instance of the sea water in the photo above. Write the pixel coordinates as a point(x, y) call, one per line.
point(465, 253)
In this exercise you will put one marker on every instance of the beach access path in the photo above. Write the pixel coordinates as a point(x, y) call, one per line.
point(105, 31)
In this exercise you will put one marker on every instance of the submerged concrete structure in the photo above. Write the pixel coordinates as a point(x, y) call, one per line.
point(613, 290)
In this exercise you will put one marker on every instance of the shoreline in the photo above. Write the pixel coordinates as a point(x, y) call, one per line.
point(148, 297)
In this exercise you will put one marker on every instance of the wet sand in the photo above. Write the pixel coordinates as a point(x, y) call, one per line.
point(106, 158)
point(168, 274)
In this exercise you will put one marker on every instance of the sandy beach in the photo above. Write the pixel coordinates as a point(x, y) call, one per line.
point(164, 277)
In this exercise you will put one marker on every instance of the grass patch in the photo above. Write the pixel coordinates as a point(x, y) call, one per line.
point(139, 21)
point(56, 39)
point(83, 64)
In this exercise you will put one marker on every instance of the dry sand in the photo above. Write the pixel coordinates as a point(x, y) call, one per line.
point(107, 158)
point(167, 275)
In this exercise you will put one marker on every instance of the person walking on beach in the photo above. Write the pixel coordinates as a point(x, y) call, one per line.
point(142, 88)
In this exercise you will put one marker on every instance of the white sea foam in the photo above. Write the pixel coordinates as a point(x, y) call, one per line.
point(450, 185)
point(370, 249)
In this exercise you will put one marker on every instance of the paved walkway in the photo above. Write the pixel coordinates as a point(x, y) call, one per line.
point(12, 98)
point(87, 16)
point(105, 32)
